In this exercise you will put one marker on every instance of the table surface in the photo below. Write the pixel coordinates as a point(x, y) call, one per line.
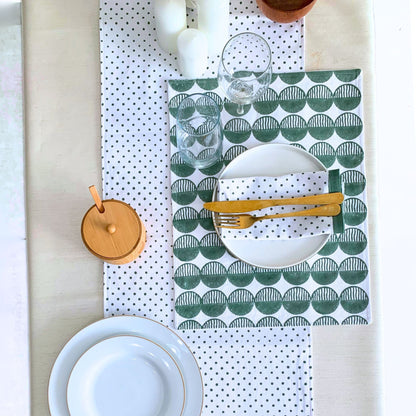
point(63, 150)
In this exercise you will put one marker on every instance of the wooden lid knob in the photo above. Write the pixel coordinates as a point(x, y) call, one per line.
point(113, 231)
point(111, 228)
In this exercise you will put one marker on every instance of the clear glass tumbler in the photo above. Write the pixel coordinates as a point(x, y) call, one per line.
point(198, 131)
point(245, 69)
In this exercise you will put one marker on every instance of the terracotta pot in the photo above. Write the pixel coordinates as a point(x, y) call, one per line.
point(285, 11)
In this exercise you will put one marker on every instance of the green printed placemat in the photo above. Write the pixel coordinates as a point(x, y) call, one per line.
point(320, 112)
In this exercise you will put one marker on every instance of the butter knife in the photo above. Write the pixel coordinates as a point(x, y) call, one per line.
point(253, 205)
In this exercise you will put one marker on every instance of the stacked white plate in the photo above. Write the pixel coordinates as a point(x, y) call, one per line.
point(125, 366)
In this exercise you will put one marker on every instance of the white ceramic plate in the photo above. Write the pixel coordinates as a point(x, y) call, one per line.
point(126, 376)
point(273, 160)
point(125, 325)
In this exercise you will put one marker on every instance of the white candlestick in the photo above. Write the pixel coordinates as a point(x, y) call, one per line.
point(191, 4)
point(192, 53)
point(170, 16)
point(213, 20)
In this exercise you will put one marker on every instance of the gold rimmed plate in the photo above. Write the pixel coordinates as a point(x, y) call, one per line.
point(126, 376)
point(121, 326)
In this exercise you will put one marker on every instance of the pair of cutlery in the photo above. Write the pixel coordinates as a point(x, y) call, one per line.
point(222, 209)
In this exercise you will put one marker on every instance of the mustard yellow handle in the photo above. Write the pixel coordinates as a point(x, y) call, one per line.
point(247, 206)
point(324, 211)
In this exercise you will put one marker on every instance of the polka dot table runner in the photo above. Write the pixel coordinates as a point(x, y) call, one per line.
point(320, 112)
point(249, 371)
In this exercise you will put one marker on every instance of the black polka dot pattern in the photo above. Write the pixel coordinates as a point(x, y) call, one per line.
point(247, 371)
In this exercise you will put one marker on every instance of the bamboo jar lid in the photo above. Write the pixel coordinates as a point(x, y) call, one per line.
point(112, 230)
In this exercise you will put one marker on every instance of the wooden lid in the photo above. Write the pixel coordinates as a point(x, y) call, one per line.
point(112, 230)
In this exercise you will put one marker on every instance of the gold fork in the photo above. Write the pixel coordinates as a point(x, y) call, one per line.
point(247, 220)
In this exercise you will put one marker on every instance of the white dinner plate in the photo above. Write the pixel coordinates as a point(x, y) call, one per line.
point(126, 376)
point(273, 160)
point(125, 325)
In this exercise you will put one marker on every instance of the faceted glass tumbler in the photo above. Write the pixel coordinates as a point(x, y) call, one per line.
point(199, 133)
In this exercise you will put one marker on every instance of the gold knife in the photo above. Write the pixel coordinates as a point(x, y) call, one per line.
point(253, 205)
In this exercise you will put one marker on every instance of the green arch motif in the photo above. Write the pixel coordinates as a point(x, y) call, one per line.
point(189, 325)
point(237, 130)
point(185, 220)
point(324, 271)
point(297, 321)
point(203, 129)
point(321, 127)
point(232, 153)
point(293, 128)
point(267, 276)
point(325, 320)
point(206, 187)
point(214, 324)
point(325, 300)
point(183, 191)
point(213, 169)
point(354, 299)
point(175, 102)
point(186, 247)
point(216, 98)
point(319, 98)
point(353, 270)
point(274, 78)
point(347, 97)
point(268, 322)
point(181, 85)
point(348, 126)
point(205, 220)
point(354, 320)
point(172, 133)
point(241, 323)
point(350, 154)
point(319, 76)
point(296, 300)
point(299, 146)
point(231, 108)
point(324, 152)
point(179, 167)
point(268, 300)
point(188, 305)
point(347, 75)
point(187, 276)
point(240, 274)
point(292, 78)
point(214, 303)
point(211, 247)
point(352, 241)
point(205, 106)
point(330, 247)
point(297, 274)
point(354, 182)
point(240, 302)
point(292, 99)
point(208, 84)
point(267, 103)
point(266, 129)
point(355, 211)
point(243, 74)
point(213, 274)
